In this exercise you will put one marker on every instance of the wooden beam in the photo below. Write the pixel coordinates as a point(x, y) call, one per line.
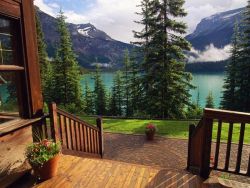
point(11, 68)
point(31, 58)
point(227, 116)
point(10, 8)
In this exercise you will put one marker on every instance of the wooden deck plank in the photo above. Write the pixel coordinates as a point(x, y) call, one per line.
point(94, 173)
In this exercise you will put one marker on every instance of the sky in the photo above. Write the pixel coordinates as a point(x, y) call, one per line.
point(116, 17)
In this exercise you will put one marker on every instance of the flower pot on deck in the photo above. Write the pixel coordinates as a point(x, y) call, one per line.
point(150, 135)
point(48, 170)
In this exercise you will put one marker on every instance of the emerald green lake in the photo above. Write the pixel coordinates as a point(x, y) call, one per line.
point(204, 82)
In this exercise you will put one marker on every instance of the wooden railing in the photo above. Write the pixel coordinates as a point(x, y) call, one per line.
point(74, 134)
point(200, 144)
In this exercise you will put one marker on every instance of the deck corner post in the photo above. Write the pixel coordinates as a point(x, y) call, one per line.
point(53, 122)
point(100, 127)
point(206, 147)
point(191, 130)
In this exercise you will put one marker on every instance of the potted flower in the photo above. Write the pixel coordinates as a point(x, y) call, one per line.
point(150, 131)
point(43, 157)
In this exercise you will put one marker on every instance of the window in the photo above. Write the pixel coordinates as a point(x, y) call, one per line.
point(11, 69)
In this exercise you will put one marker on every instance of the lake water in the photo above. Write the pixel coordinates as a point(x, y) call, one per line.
point(204, 82)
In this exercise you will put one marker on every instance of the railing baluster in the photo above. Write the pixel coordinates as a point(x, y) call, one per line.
point(67, 130)
point(78, 133)
point(72, 133)
point(63, 136)
point(217, 150)
point(92, 140)
point(229, 142)
point(240, 147)
point(75, 136)
point(60, 126)
point(85, 138)
point(88, 140)
point(248, 169)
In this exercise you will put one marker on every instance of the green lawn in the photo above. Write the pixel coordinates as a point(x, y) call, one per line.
point(171, 129)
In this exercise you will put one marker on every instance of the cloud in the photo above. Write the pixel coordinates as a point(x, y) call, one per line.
point(116, 17)
point(211, 53)
point(48, 8)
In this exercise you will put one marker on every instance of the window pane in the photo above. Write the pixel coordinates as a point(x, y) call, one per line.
point(7, 41)
point(8, 92)
point(7, 57)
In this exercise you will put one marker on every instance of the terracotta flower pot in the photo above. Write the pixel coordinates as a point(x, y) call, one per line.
point(150, 135)
point(48, 170)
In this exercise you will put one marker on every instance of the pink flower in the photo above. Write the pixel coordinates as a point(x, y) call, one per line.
point(150, 126)
point(46, 142)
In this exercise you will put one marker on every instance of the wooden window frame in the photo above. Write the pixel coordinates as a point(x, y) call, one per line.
point(30, 99)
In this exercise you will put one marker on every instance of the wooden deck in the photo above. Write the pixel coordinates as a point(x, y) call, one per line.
point(99, 173)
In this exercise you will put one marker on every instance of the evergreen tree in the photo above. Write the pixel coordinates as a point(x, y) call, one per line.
point(166, 85)
point(89, 100)
point(126, 84)
point(243, 73)
point(210, 100)
point(66, 70)
point(135, 86)
point(100, 94)
point(45, 66)
point(116, 102)
point(229, 100)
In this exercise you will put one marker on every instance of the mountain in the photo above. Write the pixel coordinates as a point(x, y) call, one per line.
point(216, 29)
point(91, 45)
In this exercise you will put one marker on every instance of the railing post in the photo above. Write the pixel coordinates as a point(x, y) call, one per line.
point(99, 126)
point(248, 169)
point(206, 147)
point(53, 122)
point(191, 130)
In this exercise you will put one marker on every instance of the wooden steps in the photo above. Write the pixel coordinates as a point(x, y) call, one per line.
point(89, 172)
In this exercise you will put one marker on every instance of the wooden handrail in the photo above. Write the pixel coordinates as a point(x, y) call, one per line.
point(227, 116)
point(62, 112)
point(200, 142)
point(75, 134)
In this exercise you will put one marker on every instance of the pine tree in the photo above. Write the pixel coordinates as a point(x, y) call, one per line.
point(166, 85)
point(45, 66)
point(243, 72)
point(135, 86)
point(67, 72)
point(126, 84)
point(229, 100)
point(100, 93)
point(89, 100)
point(210, 100)
point(117, 95)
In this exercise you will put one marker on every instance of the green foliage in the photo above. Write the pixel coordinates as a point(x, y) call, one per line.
point(194, 112)
point(67, 87)
point(168, 128)
point(89, 100)
point(39, 153)
point(210, 100)
point(229, 101)
point(236, 94)
point(243, 67)
point(165, 83)
point(45, 66)
point(99, 94)
point(117, 95)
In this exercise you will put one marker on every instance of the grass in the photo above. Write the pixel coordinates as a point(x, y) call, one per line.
point(167, 128)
